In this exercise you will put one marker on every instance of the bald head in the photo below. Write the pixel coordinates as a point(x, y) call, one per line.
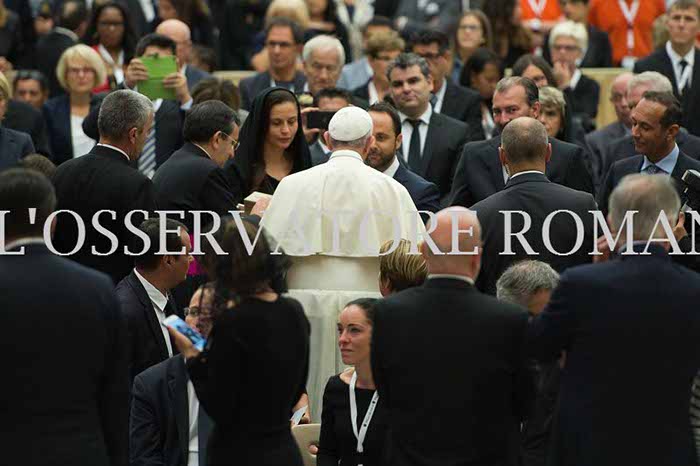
point(524, 146)
point(179, 32)
point(457, 234)
point(620, 83)
point(618, 96)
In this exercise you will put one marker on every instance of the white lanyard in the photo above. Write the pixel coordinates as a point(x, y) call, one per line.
point(630, 15)
point(353, 414)
point(538, 7)
point(684, 78)
point(118, 67)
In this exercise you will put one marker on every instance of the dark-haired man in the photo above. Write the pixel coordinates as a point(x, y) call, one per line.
point(65, 394)
point(449, 98)
point(283, 41)
point(192, 178)
point(479, 173)
point(331, 99)
point(144, 295)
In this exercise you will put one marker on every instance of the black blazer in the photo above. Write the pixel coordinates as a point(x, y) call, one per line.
point(598, 54)
point(169, 120)
point(159, 422)
point(464, 104)
point(630, 329)
point(194, 75)
point(464, 408)
point(102, 179)
point(57, 116)
point(534, 194)
point(66, 393)
point(190, 180)
point(14, 145)
point(659, 61)
point(23, 117)
point(252, 86)
point(49, 49)
point(318, 155)
point(444, 141)
point(623, 148)
point(11, 40)
point(425, 195)
point(584, 98)
point(480, 173)
point(146, 340)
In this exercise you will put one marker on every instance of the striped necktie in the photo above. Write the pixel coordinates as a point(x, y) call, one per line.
point(147, 161)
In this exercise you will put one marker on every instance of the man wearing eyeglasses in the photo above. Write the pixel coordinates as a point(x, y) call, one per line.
point(192, 178)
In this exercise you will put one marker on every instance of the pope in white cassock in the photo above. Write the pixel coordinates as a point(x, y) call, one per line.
point(332, 219)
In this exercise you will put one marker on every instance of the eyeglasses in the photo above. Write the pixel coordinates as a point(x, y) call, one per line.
point(78, 71)
point(234, 142)
point(565, 48)
point(191, 311)
point(431, 56)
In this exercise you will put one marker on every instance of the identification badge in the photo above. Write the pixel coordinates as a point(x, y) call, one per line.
point(628, 62)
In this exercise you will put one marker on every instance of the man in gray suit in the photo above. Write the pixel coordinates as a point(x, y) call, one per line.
point(598, 140)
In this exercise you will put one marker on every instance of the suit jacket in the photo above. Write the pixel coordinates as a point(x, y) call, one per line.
point(23, 117)
point(169, 120)
point(355, 74)
point(444, 142)
point(464, 104)
point(49, 49)
point(623, 148)
point(67, 398)
point(159, 422)
point(438, 14)
point(250, 87)
point(138, 18)
point(190, 180)
point(318, 155)
point(535, 195)
point(659, 61)
point(146, 340)
point(57, 116)
point(425, 195)
point(615, 326)
point(194, 75)
point(480, 173)
point(102, 179)
point(14, 145)
point(598, 53)
point(597, 143)
point(473, 409)
point(584, 98)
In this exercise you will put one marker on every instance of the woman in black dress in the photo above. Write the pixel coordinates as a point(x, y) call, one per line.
point(272, 144)
point(255, 364)
point(353, 421)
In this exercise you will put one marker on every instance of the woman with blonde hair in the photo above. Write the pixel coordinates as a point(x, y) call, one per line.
point(400, 269)
point(79, 70)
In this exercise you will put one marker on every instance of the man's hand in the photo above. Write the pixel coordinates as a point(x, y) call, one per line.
point(260, 206)
point(563, 74)
point(309, 134)
point(135, 73)
point(178, 82)
point(679, 231)
point(604, 248)
point(5, 65)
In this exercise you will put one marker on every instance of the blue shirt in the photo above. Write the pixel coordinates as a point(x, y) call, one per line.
point(667, 164)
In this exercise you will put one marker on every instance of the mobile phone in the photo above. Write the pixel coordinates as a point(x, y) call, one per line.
point(178, 324)
point(318, 119)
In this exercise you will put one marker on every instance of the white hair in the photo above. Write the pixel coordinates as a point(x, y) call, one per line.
point(570, 29)
point(657, 82)
point(323, 42)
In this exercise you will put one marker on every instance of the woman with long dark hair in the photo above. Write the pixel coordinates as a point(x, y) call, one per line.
point(511, 39)
point(481, 72)
point(272, 144)
point(111, 35)
point(473, 32)
point(254, 367)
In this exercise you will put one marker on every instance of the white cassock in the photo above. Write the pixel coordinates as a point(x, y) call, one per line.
point(332, 219)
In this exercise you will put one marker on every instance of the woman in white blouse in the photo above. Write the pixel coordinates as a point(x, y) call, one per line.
point(79, 70)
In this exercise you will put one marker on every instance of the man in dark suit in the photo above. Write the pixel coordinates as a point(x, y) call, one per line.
point(330, 99)
point(72, 23)
point(14, 145)
point(450, 99)
point(382, 156)
point(105, 179)
point(144, 295)
point(180, 33)
point(679, 59)
point(465, 409)
point(165, 137)
point(54, 310)
point(524, 153)
point(283, 40)
point(432, 142)
point(598, 141)
point(23, 117)
point(479, 173)
point(616, 327)
point(163, 399)
point(192, 178)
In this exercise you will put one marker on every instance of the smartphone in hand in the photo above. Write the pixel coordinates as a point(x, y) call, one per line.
point(178, 324)
point(318, 119)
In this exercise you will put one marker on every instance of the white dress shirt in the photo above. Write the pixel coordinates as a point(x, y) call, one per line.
point(373, 94)
point(575, 78)
point(391, 169)
point(159, 301)
point(193, 405)
point(407, 131)
point(115, 148)
point(506, 177)
point(676, 62)
point(81, 142)
point(440, 97)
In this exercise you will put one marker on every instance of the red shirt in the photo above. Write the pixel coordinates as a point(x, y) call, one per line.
point(551, 11)
point(607, 16)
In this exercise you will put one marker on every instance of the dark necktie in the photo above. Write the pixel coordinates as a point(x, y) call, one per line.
point(414, 152)
point(653, 170)
point(684, 64)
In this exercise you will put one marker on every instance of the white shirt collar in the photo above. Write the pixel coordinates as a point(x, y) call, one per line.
point(203, 150)
point(525, 172)
point(464, 278)
point(373, 94)
point(440, 95)
point(16, 244)
point(575, 78)
point(114, 148)
point(675, 58)
point(346, 153)
point(67, 32)
point(425, 117)
point(154, 293)
point(391, 169)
